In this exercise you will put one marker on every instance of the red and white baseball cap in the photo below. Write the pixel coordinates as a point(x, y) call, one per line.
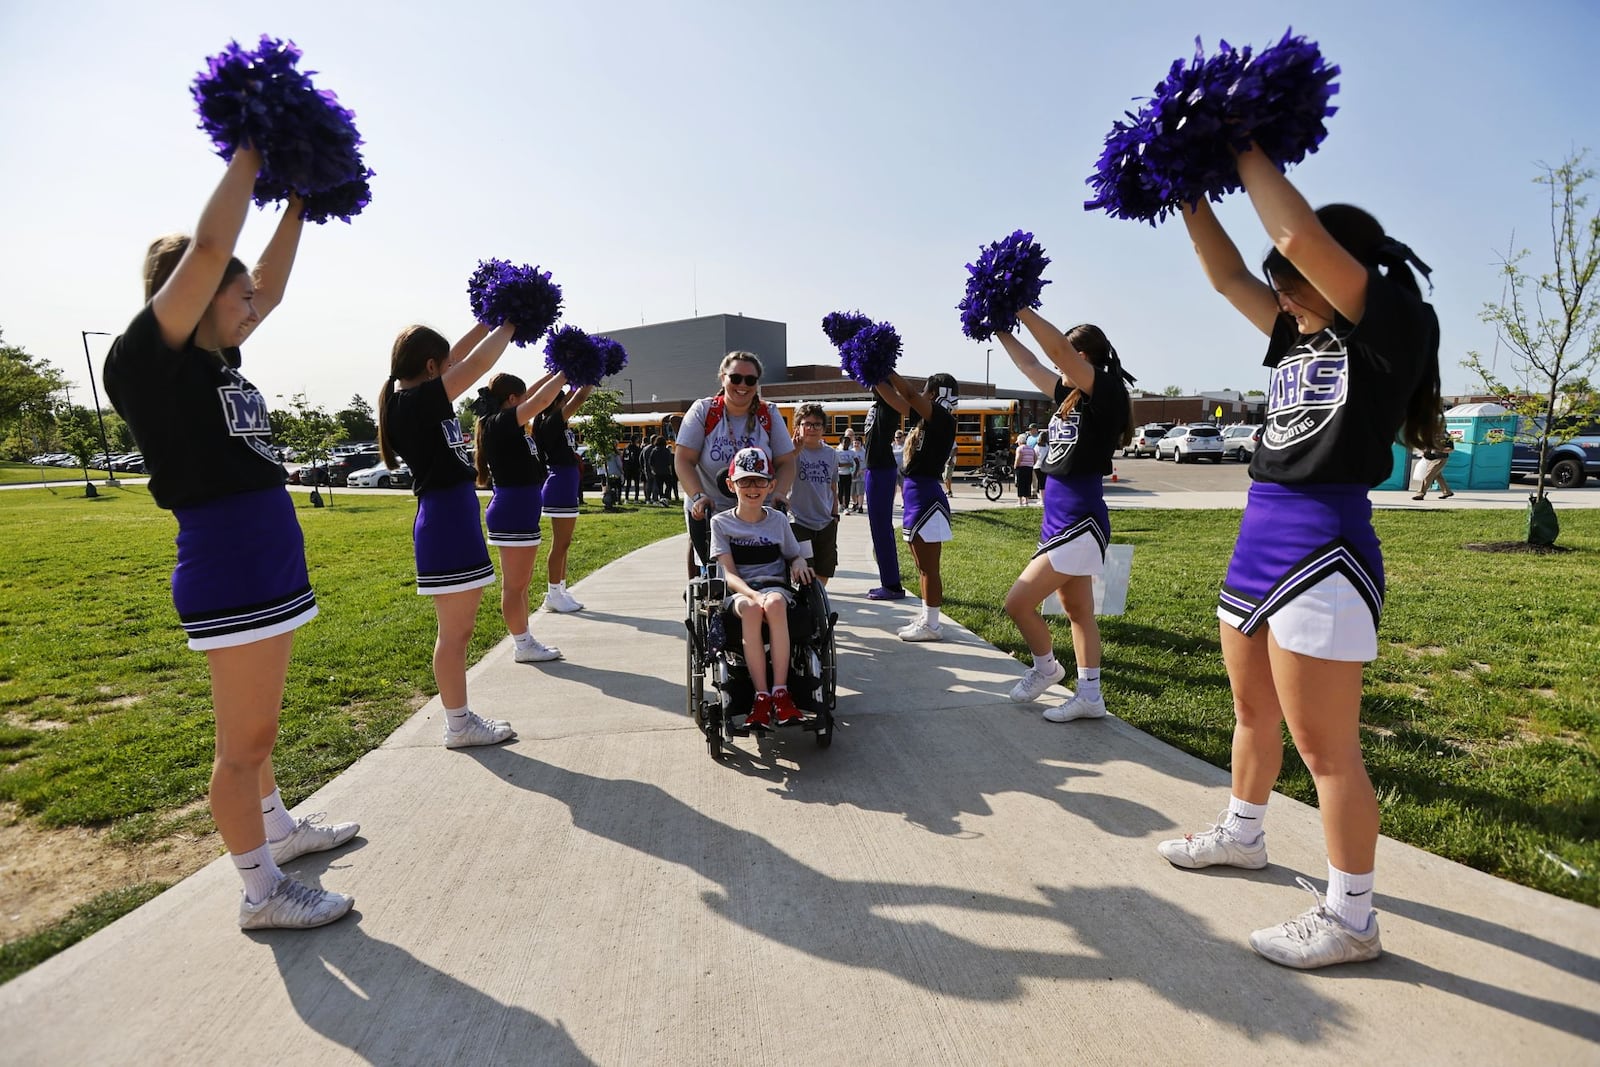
point(750, 463)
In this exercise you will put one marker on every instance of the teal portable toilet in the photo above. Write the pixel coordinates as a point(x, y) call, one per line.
point(1400, 474)
point(1483, 434)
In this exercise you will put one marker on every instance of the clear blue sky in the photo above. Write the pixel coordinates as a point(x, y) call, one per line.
point(782, 161)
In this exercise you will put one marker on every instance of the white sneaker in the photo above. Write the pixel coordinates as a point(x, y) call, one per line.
point(1035, 681)
point(478, 731)
point(1077, 706)
point(1213, 847)
point(920, 631)
point(559, 600)
point(311, 836)
point(1317, 938)
point(293, 906)
point(536, 652)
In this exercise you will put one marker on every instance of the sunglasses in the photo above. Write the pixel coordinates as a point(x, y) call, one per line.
point(743, 379)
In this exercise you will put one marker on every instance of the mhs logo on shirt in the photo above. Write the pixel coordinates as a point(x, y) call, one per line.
point(455, 439)
point(245, 411)
point(1063, 437)
point(1305, 394)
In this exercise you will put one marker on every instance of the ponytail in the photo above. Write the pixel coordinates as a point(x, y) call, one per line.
point(385, 449)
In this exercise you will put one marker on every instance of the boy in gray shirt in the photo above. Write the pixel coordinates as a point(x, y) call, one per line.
point(814, 500)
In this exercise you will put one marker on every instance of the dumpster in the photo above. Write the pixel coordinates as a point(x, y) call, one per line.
point(1483, 434)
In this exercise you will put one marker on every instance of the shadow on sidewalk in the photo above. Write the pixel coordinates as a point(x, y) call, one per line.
point(387, 1006)
point(1110, 933)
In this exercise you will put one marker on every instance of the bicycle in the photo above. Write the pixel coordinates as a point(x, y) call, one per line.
point(994, 476)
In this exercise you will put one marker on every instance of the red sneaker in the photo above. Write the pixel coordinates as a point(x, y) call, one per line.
point(760, 713)
point(784, 703)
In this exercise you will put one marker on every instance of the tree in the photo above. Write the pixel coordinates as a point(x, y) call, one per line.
point(1551, 324)
point(27, 407)
point(77, 433)
point(311, 432)
point(601, 431)
point(1172, 390)
point(357, 420)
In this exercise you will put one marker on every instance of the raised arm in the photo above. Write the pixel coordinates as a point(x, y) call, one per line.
point(184, 297)
point(1298, 234)
point(917, 401)
point(545, 390)
point(469, 340)
point(462, 373)
point(1068, 360)
point(271, 275)
point(1225, 268)
point(1041, 376)
point(892, 397)
point(574, 402)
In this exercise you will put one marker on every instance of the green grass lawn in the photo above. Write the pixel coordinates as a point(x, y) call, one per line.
point(107, 712)
point(20, 473)
point(1481, 724)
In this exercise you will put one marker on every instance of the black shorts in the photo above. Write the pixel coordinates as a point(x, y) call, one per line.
point(824, 547)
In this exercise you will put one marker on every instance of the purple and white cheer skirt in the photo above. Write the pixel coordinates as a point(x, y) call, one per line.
point(1308, 566)
point(241, 573)
point(448, 541)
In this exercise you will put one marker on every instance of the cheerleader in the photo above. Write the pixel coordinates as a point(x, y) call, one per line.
point(563, 490)
point(507, 458)
point(240, 585)
point(417, 423)
point(925, 517)
point(1093, 418)
point(1354, 357)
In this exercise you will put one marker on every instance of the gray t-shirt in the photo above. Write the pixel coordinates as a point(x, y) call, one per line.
point(760, 550)
point(815, 485)
point(730, 434)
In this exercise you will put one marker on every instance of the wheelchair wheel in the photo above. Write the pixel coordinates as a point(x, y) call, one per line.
point(992, 488)
point(695, 684)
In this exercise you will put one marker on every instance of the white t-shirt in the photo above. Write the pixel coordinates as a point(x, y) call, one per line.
point(732, 433)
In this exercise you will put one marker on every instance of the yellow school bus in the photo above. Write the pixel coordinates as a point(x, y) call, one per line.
point(975, 416)
point(642, 426)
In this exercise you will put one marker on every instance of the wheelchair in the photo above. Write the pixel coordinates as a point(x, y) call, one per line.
point(720, 692)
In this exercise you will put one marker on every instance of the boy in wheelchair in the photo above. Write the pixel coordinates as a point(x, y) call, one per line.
point(757, 550)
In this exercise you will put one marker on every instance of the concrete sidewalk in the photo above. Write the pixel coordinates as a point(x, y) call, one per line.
point(954, 881)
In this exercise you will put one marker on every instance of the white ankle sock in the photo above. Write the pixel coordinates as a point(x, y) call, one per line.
point(1350, 897)
point(930, 617)
point(1245, 821)
point(456, 718)
point(277, 821)
point(1045, 662)
point(1089, 683)
point(260, 874)
point(523, 640)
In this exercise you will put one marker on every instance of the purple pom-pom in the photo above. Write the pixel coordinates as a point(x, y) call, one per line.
point(1006, 278)
point(869, 355)
point(574, 353)
point(1176, 149)
point(614, 355)
point(840, 326)
point(499, 292)
point(308, 141)
point(342, 202)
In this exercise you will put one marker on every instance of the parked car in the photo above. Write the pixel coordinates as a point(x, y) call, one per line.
point(1144, 440)
point(334, 471)
point(1570, 463)
point(1184, 443)
point(380, 477)
point(1240, 442)
point(590, 479)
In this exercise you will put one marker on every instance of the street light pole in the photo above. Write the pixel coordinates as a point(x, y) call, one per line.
point(630, 392)
point(986, 352)
point(105, 445)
